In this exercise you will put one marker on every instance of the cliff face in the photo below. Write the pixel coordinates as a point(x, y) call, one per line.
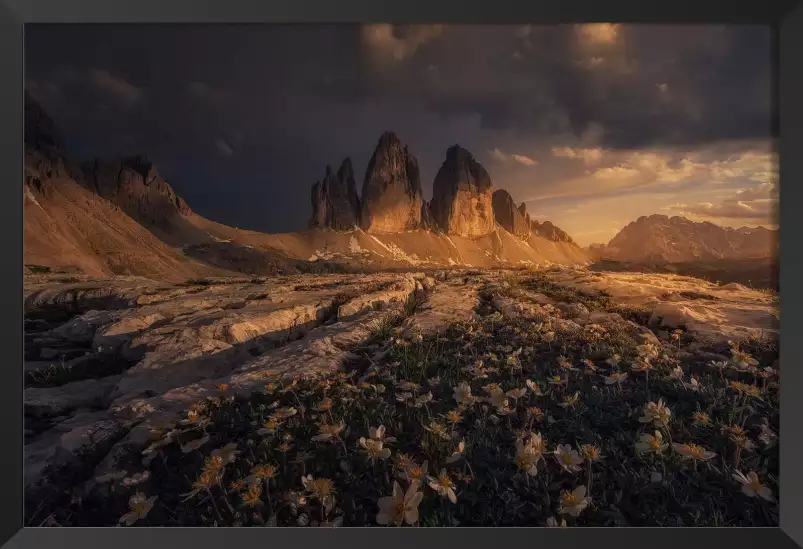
point(69, 224)
point(550, 232)
point(507, 215)
point(335, 204)
point(462, 201)
point(391, 199)
point(134, 184)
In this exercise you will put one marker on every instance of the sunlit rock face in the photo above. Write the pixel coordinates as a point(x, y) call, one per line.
point(391, 193)
point(462, 201)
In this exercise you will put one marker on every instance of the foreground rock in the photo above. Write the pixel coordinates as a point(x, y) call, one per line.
point(180, 343)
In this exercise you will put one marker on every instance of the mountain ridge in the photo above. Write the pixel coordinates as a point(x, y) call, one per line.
point(676, 239)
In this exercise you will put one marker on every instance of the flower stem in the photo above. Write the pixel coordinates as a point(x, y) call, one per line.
point(214, 506)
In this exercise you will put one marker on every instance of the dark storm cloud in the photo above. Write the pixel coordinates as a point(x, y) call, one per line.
point(243, 119)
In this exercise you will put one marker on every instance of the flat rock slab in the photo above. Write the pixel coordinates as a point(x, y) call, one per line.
point(59, 401)
point(705, 310)
point(448, 303)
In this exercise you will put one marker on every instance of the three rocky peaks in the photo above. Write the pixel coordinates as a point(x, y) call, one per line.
point(464, 202)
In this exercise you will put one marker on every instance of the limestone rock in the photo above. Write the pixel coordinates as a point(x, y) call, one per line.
point(134, 184)
point(335, 204)
point(427, 220)
point(462, 196)
point(676, 239)
point(391, 197)
point(550, 232)
point(507, 215)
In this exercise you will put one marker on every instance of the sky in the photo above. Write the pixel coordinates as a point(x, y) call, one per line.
point(590, 125)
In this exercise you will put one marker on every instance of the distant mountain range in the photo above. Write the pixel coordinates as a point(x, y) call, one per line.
point(663, 239)
point(119, 216)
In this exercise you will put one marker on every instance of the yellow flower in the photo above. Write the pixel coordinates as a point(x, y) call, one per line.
point(422, 400)
point(746, 388)
point(139, 506)
point(497, 399)
point(651, 444)
point(556, 380)
point(408, 386)
point(402, 462)
point(227, 454)
point(742, 360)
point(322, 489)
point(657, 413)
point(733, 430)
point(192, 417)
point(615, 377)
point(693, 452)
point(270, 427)
point(417, 473)
point(701, 418)
point(535, 413)
point(454, 417)
point(374, 449)
point(264, 471)
point(327, 432)
point(568, 458)
point(284, 413)
point(570, 401)
point(752, 487)
point(325, 405)
point(526, 458)
point(648, 350)
point(517, 393)
point(443, 485)
point(549, 337)
point(533, 386)
point(253, 495)
point(590, 452)
point(238, 484)
point(222, 387)
point(743, 442)
point(573, 503)
point(438, 430)
point(641, 364)
point(456, 455)
point(401, 507)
